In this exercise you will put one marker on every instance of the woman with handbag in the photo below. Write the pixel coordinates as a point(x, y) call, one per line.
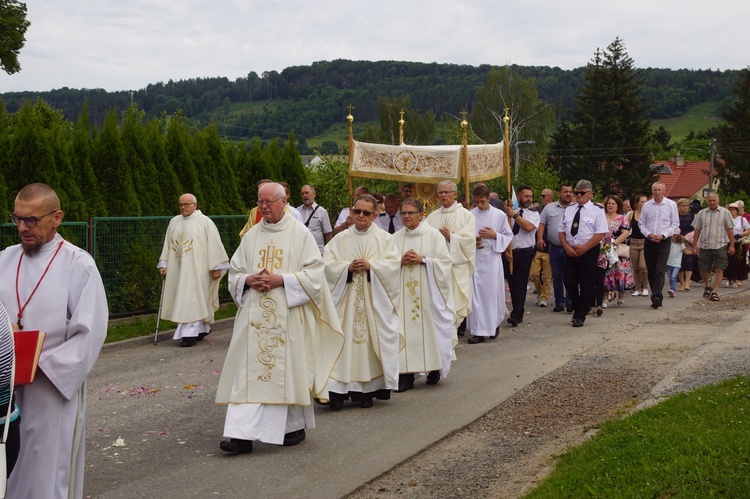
point(737, 269)
point(637, 243)
point(619, 277)
point(11, 436)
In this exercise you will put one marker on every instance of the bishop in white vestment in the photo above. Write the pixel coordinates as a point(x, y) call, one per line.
point(193, 260)
point(362, 269)
point(59, 291)
point(286, 335)
point(493, 237)
point(426, 305)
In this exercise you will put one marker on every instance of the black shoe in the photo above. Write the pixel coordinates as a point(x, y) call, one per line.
point(476, 339)
point(203, 335)
point(461, 333)
point(294, 438)
point(236, 446)
point(497, 331)
point(569, 307)
point(655, 302)
point(335, 405)
point(433, 378)
point(513, 322)
point(188, 342)
point(577, 322)
point(366, 403)
point(405, 382)
point(558, 308)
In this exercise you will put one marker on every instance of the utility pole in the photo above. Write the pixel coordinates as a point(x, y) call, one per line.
point(712, 157)
point(515, 173)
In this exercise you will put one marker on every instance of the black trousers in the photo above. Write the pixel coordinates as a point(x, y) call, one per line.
point(580, 275)
point(656, 256)
point(518, 281)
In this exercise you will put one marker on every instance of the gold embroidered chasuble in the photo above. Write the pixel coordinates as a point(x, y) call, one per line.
point(366, 308)
point(426, 305)
point(280, 352)
point(192, 248)
point(462, 248)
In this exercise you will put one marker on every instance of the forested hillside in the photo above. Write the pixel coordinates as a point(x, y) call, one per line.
point(309, 99)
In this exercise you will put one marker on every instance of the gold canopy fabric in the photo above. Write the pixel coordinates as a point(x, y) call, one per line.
point(426, 164)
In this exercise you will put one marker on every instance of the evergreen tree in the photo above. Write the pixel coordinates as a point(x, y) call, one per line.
point(271, 157)
point(5, 169)
point(71, 199)
point(169, 184)
point(733, 140)
point(178, 152)
point(83, 173)
point(607, 140)
point(292, 169)
point(138, 159)
point(31, 157)
point(111, 168)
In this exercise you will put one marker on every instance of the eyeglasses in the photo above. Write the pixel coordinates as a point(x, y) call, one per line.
point(183, 205)
point(267, 202)
point(366, 213)
point(580, 193)
point(546, 195)
point(30, 222)
point(445, 192)
point(409, 213)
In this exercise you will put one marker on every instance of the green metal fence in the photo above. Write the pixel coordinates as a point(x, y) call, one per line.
point(126, 251)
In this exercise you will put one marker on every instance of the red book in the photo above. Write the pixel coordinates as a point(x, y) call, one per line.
point(28, 346)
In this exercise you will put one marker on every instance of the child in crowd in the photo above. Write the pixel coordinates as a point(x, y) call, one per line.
point(674, 262)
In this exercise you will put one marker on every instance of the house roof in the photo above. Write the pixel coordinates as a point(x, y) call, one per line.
point(682, 181)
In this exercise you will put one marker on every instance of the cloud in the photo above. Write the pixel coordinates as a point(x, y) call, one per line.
point(127, 45)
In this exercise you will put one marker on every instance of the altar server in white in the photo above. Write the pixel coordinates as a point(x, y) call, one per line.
point(363, 272)
point(426, 306)
point(457, 226)
point(492, 238)
point(193, 261)
point(52, 286)
point(286, 335)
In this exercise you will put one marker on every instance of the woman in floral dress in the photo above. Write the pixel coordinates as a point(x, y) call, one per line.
point(619, 277)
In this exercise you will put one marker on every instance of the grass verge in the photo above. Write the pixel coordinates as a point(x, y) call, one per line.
point(694, 444)
point(144, 325)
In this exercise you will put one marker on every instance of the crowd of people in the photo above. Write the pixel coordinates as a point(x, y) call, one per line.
point(345, 313)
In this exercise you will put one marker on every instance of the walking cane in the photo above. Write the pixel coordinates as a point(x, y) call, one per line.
point(158, 316)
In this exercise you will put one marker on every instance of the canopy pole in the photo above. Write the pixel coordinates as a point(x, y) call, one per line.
point(465, 155)
point(350, 120)
point(506, 169)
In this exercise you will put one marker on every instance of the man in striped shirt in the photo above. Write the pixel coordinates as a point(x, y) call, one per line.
point(713, 233)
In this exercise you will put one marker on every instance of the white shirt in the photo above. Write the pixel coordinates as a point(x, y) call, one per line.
point(659, 218)
point(526, 239)
point(592, 221)
point(551, 217)
point(384, 220)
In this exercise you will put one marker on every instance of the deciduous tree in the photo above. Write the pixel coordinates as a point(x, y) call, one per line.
point(13, 26)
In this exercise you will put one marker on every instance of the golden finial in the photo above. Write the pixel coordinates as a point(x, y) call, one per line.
point(350, 118)
point(506, 118)
point(464, 123)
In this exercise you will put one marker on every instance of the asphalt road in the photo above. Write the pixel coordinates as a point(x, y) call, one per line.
point(159, 400)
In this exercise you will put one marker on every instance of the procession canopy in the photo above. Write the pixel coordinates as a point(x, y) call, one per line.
point(425, 164)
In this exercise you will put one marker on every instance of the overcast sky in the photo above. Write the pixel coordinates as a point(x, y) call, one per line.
point(127, 44)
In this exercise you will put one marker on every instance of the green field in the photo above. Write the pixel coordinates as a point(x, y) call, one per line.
point(698, 118)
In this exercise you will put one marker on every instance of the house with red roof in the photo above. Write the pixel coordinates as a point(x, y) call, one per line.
point(684, 179)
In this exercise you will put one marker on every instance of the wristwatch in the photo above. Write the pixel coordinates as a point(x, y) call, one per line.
point(424, 260)
point(515, 216)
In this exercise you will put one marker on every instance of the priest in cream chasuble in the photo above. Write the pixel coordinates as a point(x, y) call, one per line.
point(362, 269)
point(193, 260)
point(286, 334)
point(426, 304)
point(457, 226)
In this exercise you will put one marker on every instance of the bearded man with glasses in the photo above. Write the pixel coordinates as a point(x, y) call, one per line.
point(55, 287)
